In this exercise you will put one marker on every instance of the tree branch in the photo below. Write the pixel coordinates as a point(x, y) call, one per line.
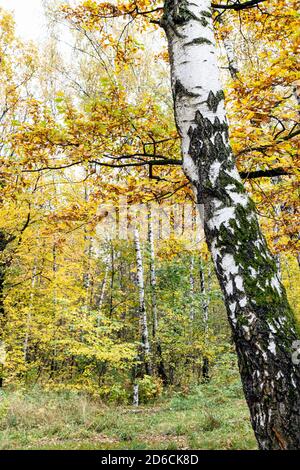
point(248, 175)
point(261, 148)
point(269, 173)
point(237, 6)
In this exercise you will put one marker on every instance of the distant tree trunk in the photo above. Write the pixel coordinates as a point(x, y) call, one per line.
point(112, 278)
point(2, 311)
point(157, 344)
point(145, 344)
point(192, 289)
point(230, 52)
point(204, 304)
point(102, 292)
point(29, 314)
point(4, 242)
point(135, 400)
point(204, 300)
point(152, 275)
point(55, 271)
point(88, 247)
point(262, 322)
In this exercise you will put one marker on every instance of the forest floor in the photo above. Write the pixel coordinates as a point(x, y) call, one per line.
point(212, 416)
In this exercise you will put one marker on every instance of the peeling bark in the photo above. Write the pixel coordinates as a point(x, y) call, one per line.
point(261, 320)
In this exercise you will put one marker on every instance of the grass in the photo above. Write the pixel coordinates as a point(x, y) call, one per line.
point(212, 416)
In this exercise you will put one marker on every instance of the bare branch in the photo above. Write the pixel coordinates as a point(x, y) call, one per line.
point(248, 175)
point(237, 6)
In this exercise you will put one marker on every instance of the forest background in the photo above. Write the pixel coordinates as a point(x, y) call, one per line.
point(108, 297)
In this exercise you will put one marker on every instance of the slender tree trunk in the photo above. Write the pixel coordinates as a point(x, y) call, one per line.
point(145, 344)
point(112, 278)
point(135, 400)
point(29, 314)
point(4, 241)
point(2, 279)
point(102, 293)
point(230, 52)
point(262, 322)
point(157, 344)
point(58, 318)
point(152, 275)
point(204, 305)
point(2, 315)
point(277, 211)
point(88, 248)
point(204, 300)
point(192, 289)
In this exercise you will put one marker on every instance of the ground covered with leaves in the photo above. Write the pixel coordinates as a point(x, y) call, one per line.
point(210, 416)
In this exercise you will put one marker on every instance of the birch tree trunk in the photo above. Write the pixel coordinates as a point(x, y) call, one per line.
point(157, 344)
point(192, 289)
point(102, 292)
point(88, 248)
point(204, 305)
point(5, 240)
point(262, 322)
point(145, 345)
point(152, 274)
point(112, 278)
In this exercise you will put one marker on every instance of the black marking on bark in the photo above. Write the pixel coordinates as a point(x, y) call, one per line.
point(221, 127)
point(213, 100)
point(180, 91)
point(198, 41)
point(204, 151)
point(206, 13)
point(178, 12)
point(222, 150)
point(203, 21)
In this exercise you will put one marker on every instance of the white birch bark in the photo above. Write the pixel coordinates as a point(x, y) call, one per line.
point(204, 300)
point(135, 400)
point(204, 305)
point(262, 323)
point(88, 247)
point(152, 274)
point(102, 292)
point(192, 289)
point(145, 344)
